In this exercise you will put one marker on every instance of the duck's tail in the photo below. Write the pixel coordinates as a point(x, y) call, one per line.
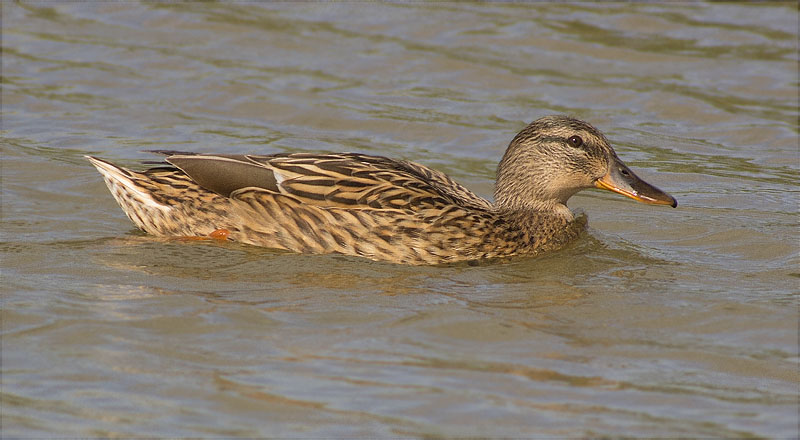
point(133, 197)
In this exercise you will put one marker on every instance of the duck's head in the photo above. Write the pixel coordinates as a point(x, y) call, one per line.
point(555, 157)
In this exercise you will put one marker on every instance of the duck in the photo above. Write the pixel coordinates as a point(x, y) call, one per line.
point(383, 209)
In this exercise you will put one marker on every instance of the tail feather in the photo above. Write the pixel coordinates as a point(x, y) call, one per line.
point(134, 199)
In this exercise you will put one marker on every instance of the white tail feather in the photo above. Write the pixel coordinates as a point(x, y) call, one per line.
point(122, 186)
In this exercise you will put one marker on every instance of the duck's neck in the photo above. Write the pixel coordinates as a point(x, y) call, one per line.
point(532, 204)
point(537, 230)
point(517, 191)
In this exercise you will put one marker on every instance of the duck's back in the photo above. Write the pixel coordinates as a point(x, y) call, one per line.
point(344, 180)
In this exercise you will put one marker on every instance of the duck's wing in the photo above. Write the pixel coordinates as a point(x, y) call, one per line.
point(345, 180)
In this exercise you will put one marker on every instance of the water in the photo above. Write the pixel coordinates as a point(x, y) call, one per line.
point(658, 322)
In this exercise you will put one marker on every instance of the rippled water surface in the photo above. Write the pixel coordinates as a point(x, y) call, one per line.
point(657, 322)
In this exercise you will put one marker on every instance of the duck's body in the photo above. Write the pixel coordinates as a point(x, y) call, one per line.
point(376, 207)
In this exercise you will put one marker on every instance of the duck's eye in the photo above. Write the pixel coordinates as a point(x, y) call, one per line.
point(575, 141)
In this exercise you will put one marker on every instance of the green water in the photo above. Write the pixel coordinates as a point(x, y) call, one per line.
point(659, 322)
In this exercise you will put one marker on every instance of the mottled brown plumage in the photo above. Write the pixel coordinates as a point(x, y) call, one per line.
point(381, 208)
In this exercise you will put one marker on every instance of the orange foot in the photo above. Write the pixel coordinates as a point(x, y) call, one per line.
point(220, 234)
point(217, 234)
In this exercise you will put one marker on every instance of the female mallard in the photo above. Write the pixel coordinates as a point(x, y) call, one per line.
point(380, 208)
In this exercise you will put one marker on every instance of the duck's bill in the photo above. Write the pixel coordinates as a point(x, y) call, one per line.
point(620, 179)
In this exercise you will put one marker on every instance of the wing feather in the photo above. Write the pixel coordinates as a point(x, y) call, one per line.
point(345, 180)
